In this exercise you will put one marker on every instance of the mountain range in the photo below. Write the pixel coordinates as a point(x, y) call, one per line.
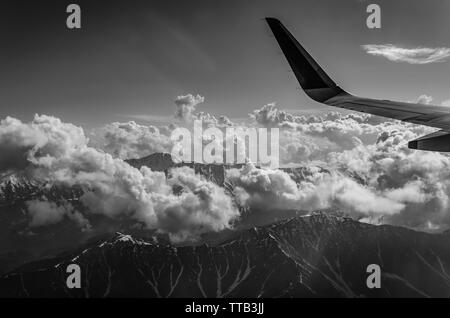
point(319, 255)
point(309, 256)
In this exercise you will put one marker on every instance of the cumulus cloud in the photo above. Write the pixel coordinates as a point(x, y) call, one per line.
point(420, 180)
point(379, 179)
point(270, 116)
point(58, 153)
point(427, 100)
point(213, 121)
point(131, 140)
point(424, 99)
point(186, 112)
point(419, 55)
point(202, 207)
point(368, 172)
point(308, 138)
point(186, 106)
point(273, 190)
point(20, 143)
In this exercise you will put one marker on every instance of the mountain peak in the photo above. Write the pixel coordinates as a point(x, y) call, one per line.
point(156, 161)
point(127, 238)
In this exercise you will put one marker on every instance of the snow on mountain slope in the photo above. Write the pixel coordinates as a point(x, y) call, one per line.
point(311, 256)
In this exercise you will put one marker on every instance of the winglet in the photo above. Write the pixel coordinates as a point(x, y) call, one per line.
point(314, 81)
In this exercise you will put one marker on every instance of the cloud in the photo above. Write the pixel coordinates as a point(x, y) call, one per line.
point(369, 171)
point(131, 140)
point(424, 99)
point(202, 206)
point(128, 140)
point(420, 180)
point(45, 213)
point(273, 190)
point(270, 116)
point(356, 163)
point(20, 143)
point(186, 105)
point(309, 138)
point(427, 100)
point(213, 121)
point(419, 55)
point(377, 178)
point(58, 153)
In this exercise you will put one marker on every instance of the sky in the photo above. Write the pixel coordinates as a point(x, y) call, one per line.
point(130, 60)
point(145, 60)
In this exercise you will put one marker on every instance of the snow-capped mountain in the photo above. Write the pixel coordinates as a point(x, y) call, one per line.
point(310, 256)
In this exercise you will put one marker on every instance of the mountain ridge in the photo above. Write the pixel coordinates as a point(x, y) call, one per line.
point(307, 256)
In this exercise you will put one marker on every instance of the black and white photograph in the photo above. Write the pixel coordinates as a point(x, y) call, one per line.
point(235, 150)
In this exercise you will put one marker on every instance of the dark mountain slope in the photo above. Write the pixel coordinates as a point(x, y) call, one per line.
point(314, 256)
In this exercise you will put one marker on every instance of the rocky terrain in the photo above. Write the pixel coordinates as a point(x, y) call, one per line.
point(310, 256)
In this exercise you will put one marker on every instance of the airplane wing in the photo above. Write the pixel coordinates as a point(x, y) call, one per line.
point(321, 88)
